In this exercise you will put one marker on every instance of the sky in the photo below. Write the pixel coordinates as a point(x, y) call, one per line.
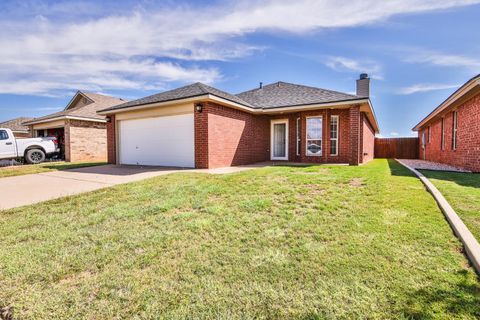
point(417, 52)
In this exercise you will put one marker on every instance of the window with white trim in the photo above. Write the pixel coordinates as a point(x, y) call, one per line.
point(454, 133)
point(428, 136)
point(314, 136)
point(334, 135)
point(442, 138)
point(298, 137)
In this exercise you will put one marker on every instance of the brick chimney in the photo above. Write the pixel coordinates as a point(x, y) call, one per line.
point(363, 86)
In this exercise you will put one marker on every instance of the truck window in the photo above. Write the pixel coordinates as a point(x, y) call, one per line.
point(3, 135)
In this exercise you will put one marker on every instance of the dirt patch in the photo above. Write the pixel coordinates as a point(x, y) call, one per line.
point(314, 189)
point(6, 313)
point(356, 182)
point(319, 171)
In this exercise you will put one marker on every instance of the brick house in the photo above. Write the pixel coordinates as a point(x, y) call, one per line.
point(18, 128)
point(81, 132)
point(202, 127)
point(451, 133)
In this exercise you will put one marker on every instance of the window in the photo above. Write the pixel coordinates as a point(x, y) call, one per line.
point(442, 138)
point(298, 136)
point(423, 140)
point(3, 135)
point(314, 136)
point(454, 131)
point(428, 136)
point(334, 135)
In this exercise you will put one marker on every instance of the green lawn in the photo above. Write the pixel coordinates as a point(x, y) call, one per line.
point(44, 167)
point(281, 242)
point(462, 191)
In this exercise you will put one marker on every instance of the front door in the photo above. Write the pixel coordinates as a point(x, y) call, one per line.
point(279, 139)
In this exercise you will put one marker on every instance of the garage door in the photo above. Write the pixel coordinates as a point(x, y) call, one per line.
point(162, 141)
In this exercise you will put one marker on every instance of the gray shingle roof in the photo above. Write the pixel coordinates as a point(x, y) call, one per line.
point(89, 111)
point(283, 94)
point(279, 94)
point(190, 91)
point(16, 124)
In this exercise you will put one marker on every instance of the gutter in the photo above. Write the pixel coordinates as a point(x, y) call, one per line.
point(214, 98)
point(28, 123)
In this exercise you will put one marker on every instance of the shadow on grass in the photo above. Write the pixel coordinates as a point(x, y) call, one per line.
point(464, 179)
point(461, 301)
point(67, 166)
point(396, 169)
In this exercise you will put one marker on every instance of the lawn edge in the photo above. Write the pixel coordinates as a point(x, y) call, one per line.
point(470, 243)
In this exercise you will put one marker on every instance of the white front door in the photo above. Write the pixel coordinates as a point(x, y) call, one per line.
point(279, 139)
point(161, 141)
point(7, 145)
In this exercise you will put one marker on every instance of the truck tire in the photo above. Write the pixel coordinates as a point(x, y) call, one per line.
point(34, 156)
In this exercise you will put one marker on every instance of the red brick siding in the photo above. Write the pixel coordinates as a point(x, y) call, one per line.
point(467, 154)
point(201, 137)
point(88, 140)
point(234, 137)
point(355, 132)
point(368, 140)
point(111, 141)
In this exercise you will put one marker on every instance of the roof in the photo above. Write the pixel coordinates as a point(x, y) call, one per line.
point(284, 94)
point(451, 100)
point(190, 91)
point(88, 111)
point(279, 94)
point(16, 125)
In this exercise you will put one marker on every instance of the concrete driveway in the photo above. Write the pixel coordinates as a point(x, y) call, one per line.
point(29, 189)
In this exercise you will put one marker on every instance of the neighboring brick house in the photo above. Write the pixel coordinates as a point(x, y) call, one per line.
point(18, 128)
point(203, 127)
point(81, 132)
point(451, 133)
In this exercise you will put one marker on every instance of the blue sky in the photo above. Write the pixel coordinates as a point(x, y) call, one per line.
point(416, 51)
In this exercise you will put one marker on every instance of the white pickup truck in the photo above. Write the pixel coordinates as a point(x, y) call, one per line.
point(33, 150)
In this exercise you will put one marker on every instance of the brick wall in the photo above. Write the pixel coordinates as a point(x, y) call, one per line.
point(355, 132)
point(226, 137)
point(467, 153)
point(368, 140)
point(87, 141)
point(111, 141)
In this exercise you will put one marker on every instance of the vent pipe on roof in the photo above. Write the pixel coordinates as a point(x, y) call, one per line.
point(363, 85)
point(261, 85)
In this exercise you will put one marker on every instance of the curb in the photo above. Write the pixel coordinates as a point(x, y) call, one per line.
point(472, 247)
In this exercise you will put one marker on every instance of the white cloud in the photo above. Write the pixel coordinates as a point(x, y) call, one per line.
point(394, 134)
point(346, 64)
point(135, 50)
point(426, 87)
point(416, 55)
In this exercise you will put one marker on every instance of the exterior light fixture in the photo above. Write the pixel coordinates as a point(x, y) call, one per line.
point(198, 107)
point(108, 119)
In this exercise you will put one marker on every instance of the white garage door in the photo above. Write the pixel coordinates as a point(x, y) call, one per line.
point(162, 141)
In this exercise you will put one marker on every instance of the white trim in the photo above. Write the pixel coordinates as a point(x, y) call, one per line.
point(306, 139)
point(298, 136)
point(272, 123)
point(454, 130)
point(62, 118)
point(442, 138)
point(330, 134)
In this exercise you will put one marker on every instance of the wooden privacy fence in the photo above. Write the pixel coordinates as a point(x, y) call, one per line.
point(400, 148)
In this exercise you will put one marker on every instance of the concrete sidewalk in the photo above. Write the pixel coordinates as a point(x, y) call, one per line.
point(29, 189)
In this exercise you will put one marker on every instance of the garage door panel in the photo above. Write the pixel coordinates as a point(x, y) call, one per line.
point(162, 141)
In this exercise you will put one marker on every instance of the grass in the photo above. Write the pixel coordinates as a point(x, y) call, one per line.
point(44, 167)
point(462, 191)
point(281, 242)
